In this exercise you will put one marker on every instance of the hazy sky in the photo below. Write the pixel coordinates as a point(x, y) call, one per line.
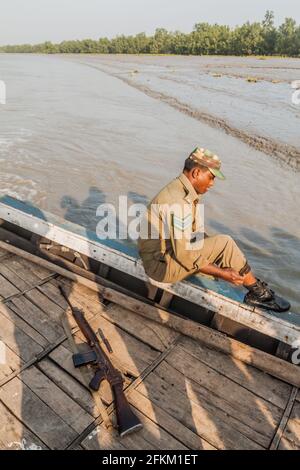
point(32, 21)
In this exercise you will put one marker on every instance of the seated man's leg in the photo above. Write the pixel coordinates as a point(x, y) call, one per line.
point(176, 272)
point(223, 251)
point(219, 249)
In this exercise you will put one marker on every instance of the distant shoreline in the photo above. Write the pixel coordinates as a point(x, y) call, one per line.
point(89, 54)
point(250, 39)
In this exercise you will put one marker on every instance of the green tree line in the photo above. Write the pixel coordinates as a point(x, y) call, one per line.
point(259, 38)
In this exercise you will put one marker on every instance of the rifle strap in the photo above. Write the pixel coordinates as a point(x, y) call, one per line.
point(97, 399)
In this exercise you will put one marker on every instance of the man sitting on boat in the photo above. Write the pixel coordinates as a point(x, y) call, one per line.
point(173, 248)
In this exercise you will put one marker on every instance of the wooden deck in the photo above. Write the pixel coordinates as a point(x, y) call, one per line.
point(187, 395)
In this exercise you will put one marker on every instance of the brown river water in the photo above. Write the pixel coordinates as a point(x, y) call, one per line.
point(77, 131)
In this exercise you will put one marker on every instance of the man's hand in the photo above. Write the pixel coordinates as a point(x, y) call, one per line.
point(230, 275)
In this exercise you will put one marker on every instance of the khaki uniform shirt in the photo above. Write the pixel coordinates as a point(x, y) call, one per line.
point(171, 222)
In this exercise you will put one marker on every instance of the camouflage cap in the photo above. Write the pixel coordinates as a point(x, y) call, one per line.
point(208, 159)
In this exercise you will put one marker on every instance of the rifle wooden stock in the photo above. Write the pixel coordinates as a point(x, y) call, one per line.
point(126, 419)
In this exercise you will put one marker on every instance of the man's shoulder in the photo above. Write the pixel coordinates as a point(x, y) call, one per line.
point(172, 192)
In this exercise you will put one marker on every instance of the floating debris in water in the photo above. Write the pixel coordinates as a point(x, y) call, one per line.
point(252, 79)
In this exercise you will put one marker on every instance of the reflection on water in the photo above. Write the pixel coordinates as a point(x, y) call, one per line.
point(68, 127)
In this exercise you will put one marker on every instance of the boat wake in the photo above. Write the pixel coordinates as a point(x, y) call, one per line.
point(283, 152)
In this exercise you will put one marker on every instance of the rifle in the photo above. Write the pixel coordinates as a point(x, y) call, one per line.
point(127, 421)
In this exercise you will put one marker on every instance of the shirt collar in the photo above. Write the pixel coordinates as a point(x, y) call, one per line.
point(191, 195)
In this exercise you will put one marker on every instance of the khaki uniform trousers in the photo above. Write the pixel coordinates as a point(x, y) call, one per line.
point(221, 250)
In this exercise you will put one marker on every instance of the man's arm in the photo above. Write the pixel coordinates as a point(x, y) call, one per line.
point(227, 274)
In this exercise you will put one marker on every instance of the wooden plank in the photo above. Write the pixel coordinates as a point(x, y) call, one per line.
point(74, 268)
point(166, 299)
point(7, 289)
point(209, 423)
point(263, 385)
point(39, 272)
point(14, 435)
point(157, 336)
point(69, 385)
point(174, 427)
point(36, 415)
point(247, 354)
point(51, 290)
point(285, 417)
point(10, 237)
point(292, 430)
point(33, 361)
point(101, 439)
point(84, 299)
point(75, 237)
point(242, 422)
point(22, 325)
point(285, 444)
point(17, 340)
point(135, 441)
point(25, 271)
point(35, 317)
point(238, 402)
point(12, 364)
point(151, 436)
point(45, 304)
point(272, 365)
point(152, 291)
point(3, 253)
point(64, 406)
point(11, 276)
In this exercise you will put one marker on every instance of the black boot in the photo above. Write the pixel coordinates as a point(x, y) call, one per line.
point(260, 295)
